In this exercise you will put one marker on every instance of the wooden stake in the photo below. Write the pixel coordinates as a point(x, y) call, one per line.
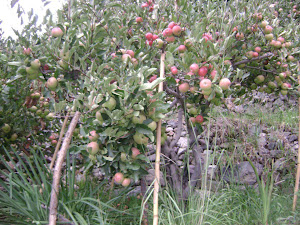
point(158, 148)
point(298, 164)
point(57, 170)
point(59, 140)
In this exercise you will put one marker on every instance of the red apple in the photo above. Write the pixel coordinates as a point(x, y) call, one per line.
point(181, 48)
point(135, 152)
point(194, 68)
point(176, 30)
point(126, 57)
point(213, 73)
point(56, 32)
point(184, 87)
point(153, 78)
point(149, 36)
point(170, 39)
point(93, 135)
point(130, 52)
point(126, 182)
point(171, 25)
point(167, 32)
point(26, 51)
point(281, 39)
point(139, 20)
point(93, 148)
point(199, 119)
point(257, 49)
point(118, 178)
point(202, 71)
point(205, 84)
point(268, 29)
point(193, 120)
point(174, 70)
point(154, 37)
point(145, 5)
point(224, 83)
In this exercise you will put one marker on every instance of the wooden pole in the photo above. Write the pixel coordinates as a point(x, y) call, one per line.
point(59, 141)
point(158, 147)
point(298, 164)
point(57, 170)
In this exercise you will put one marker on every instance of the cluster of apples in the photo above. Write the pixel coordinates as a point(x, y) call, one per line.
point(148, 5)
point(53, 139)
point(7, 132)
point(34, 69)
point(39, 105)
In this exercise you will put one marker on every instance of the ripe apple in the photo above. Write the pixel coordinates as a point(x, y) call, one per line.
point(118, 178)
point(135, 152)
point(205, 84)
point(167, 32)
point(224, 83)
point(149, 36)
point(174, 70)
point(110, 104)
point(181, 48)
point(171, 25)
point(126, 182)
point(153, 78)
point(93, 136)
point(194, 68)
point(126, 57)
point(93, 148)
point(170, 39)
point(193, 89)
point(268, 29)
point(263, 24)
point(202, 71)
point(176, 30)
point(184, 87)
point(52, 83)
point(290, 58)
point(193, 120)
point(254, 54)
point(257, 49)
point(213, 73)
point(199, 119)
point(281, 39)
point(139, 20)
point(131, 53)
point(56, 32)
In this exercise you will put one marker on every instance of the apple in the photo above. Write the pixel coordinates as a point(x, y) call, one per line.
point(118, 178)
point(50, 116)
point(257, 49)
point(152, 125)
point(199, 119)
point(6, 128)
point(188, 43)
point(272, 85)
point(153, 78)
point(268, 29)
point(149, 36)
point(126, 182)
point(110, 104)
point(269, 37)
point(126, 57)
point(26, 51)
point(167, 32)
point(254, 54)
point(193, 120)
point(123, 157)
point(224, 83)
point(140, 138)
point(171, 25)
point(135, 152)
point(170, 39)
point(213, 73)
point(193, 89)
point(93, 135)
point(35, 64)
point(13, 137)
point(281, 39)
point(158, 43)
point(174, 70)
point(131, 53)
point(176, 30)
point(284, 92)
point(205, 84)
point(52, 83)
point(144, 5)
point(290, 58)
point(181, 48)
point(56, 32)
point(285, 86)
point(139, 119)
point(263, 24)
point(139, 20)
point(184, 87)
point(194, 68)
point(54, 142)
point(93, 148)
point(202, 71)
point(259, 79)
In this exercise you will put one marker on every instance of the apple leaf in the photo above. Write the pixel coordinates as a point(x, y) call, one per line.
point(151, 86)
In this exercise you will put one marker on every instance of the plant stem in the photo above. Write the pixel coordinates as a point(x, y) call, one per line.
point(158, 148)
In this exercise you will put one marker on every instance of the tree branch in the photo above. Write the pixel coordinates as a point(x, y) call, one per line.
point(267, 55)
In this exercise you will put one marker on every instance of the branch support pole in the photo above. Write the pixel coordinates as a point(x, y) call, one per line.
point(57, 170)
point(298, 162)
point(158, 147)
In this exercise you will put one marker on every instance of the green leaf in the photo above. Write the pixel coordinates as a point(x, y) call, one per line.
point(151, 86)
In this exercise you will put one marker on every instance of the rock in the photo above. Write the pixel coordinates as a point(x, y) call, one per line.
point(292, 138)
point(182, 142)
point(271, 145)
point(242, 173)
point(169, 129)
point(149, 178)
point(172, 123)
point(181, 151)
